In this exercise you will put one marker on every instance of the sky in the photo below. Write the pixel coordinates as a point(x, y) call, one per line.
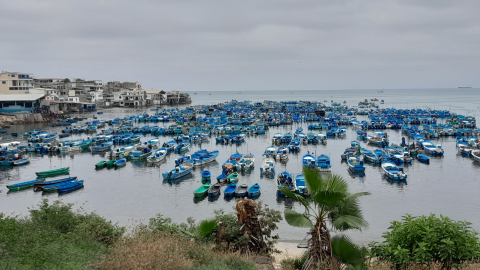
point(203, 45)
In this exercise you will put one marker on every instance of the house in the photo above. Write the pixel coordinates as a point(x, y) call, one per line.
point(15, 82)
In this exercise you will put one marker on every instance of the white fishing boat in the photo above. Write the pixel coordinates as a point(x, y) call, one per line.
point(268, 166)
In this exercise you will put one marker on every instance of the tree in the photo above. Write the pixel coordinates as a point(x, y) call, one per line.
point(426, 240)
point(66, 80)
point(329, 201)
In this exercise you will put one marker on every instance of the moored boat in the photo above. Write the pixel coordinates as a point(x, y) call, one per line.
point(214, 190)
point(24, 185)
point(268, 166)
point(284, 179)
point(254, 190)
point(230, 190)
point(53, 172)
point(179, 171)
point(120, 163)
point(20, 162)
point(201, 191)
point(355, 164)
point(394, 172)
point(39, 186)
point(241, 190)
point(323, 163)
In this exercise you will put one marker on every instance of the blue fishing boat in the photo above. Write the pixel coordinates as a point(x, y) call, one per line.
point(369, 156)
point(182, 147)
point(430, 148)
point(254, 191)
point(103, 147)
point(323, 163)
point(120, 163)
point(300, 185)
point(230, 190)
point(355, 164)
point(423, 159)
point(206, 176)
point(308, 161)
point(25, 185)
point(20, 162)
point(39, 186)
point(170, 146)
point(179, 171)
point(55, 186)
point(157, 156)
point(70, 186)
point(284, 179)
point(394, 172)
point(203, 157)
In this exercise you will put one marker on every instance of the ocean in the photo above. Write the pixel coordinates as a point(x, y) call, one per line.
point(131, 195)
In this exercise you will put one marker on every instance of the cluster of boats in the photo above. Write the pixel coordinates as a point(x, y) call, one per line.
point(62, 186)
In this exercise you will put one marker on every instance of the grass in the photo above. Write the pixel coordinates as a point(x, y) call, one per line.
point(163, 250)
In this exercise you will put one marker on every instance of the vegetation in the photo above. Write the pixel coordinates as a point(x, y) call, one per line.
point(428, 240)
point(147, 249)
point(54, 237)
point(329, 201)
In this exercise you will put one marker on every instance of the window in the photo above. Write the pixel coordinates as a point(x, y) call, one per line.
point(4, 82)
point(13, 75)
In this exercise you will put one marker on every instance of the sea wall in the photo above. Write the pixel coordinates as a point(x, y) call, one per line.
point(8, 120)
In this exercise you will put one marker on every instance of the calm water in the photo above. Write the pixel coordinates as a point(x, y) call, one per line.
point(137, 192)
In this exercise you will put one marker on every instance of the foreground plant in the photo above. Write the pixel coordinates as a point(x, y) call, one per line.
point(427, 240)
point(329, 202)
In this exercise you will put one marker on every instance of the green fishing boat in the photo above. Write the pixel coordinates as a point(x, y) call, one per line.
point(111, 163)
point(101, 164)
point(201, 191)
point(25, 185)
point(54, 172)
point(232, 178)
point(86, 144)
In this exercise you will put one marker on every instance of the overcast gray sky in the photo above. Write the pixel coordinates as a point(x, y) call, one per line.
point(246, 45)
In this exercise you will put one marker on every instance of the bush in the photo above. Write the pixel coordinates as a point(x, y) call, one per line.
point(427, 240)
point(54, 237)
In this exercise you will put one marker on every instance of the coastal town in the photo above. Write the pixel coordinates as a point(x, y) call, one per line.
point(22, 93)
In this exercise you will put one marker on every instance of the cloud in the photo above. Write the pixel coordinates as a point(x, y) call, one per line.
point(246, 45)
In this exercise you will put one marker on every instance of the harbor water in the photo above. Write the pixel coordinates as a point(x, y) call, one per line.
point(449, 185)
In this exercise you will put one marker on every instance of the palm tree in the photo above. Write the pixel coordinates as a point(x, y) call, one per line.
point(329, 201)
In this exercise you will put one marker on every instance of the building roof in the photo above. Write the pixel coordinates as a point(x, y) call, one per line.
point(15, 72)
point(21, 97)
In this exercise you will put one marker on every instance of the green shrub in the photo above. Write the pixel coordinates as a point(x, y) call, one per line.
point(54, 237)
point(426, 240)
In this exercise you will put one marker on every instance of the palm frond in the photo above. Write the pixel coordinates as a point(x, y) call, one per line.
point(296, 219)
point(313, 180)
point(348, 253)
point(207, 227)
point(347, 222)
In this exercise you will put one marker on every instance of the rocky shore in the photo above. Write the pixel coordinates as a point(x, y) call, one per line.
point(9, 120)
